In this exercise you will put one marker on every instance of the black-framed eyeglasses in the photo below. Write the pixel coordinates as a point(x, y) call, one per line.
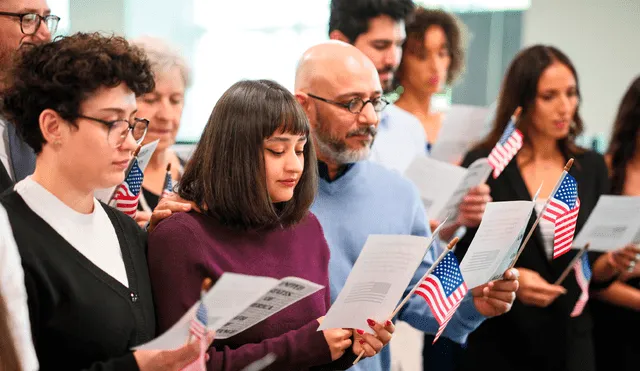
point(30, 22)
point(120, 129)
point(356, 105)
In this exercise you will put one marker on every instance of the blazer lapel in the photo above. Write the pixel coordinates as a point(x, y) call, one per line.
point(22, 157)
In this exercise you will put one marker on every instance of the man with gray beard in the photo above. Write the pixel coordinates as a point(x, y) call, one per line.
point(340, 90)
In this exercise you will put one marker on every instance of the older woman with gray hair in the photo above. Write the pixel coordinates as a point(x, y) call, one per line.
point(163, 108)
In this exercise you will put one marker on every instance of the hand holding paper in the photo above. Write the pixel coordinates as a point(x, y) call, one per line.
point(235, 303)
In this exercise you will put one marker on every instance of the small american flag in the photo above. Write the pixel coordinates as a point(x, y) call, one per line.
point(199, 330)
point(167, 189)
point(127, 195)
point(509, 144)
point(563, 212)
point(443, 290)
point(583, 276)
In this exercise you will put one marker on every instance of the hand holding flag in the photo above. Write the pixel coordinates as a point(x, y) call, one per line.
point(198, 330)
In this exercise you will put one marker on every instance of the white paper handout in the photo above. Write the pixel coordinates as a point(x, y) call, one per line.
point(235, 303)
point(496, 242)
point(377, 281)
point(144, 156)
point(442, 186)
point(436, 181)
point(462, 127)
point(613, 224)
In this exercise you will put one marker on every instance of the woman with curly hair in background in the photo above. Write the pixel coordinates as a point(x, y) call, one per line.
point(89, 296)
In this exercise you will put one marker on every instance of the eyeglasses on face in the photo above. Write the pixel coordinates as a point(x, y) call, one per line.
point(30, 22)
point(356, 105)
point(120, 129)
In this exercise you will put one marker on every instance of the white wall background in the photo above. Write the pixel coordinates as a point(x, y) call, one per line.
point(602, 39)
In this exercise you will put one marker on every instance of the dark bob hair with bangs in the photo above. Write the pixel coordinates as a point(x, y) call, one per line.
point(226, 175)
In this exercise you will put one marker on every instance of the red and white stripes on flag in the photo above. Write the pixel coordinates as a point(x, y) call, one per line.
point(127, 194)
point(444, 290)
point(563, 210)
point(199, 330)
point(506, 148)
point(583, 277)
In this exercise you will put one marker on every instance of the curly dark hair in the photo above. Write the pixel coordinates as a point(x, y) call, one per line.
point(351, 17)
point(62, 74)
point(454, 30)
point(624, 139)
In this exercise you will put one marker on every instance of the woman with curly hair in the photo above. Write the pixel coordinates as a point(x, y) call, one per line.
point(432, 57)
point(617, 307)
point(89, 296)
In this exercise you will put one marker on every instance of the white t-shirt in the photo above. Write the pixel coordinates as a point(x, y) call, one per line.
point(547, 229)
point(92, 235)
point(15, 296)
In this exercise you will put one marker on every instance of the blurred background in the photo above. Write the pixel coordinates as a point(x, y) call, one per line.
point(225, 41)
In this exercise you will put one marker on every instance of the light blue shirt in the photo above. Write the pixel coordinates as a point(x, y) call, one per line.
point(370, 199)
point(400, 139)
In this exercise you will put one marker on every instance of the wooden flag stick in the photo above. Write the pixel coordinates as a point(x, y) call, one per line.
point(404, 301)
point(206, 285)
point(573, 262)
point(126, 172)
point(516, 115)
point(567, 167)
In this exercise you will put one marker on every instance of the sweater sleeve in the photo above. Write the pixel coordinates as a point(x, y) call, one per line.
point(417, 312)
point(177, 268)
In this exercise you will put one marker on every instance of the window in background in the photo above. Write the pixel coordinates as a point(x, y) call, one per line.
point(252, 39)
point(257, 39)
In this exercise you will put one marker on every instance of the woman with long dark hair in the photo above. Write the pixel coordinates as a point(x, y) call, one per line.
point(542, 331)
point(618, 306)
point(254, 176)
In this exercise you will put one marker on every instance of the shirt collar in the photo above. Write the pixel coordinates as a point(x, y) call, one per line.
point(323, 171)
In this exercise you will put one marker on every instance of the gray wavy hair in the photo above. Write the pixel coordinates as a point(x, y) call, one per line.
point(163, 57)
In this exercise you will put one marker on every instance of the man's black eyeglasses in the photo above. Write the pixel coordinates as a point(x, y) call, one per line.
point(356, 105)
point(30, 22)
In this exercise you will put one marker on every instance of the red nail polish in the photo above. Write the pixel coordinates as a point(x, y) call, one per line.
point(387, 324)
point(361, 342)
point(371, 322)
point(361, 332)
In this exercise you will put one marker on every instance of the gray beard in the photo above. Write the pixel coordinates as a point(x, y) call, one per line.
point(335, 149)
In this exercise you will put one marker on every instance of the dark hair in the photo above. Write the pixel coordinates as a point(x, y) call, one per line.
point(520, 88)
point(454, 31)
point(226, 173)
point(8, 355)
point(351, 17)
point(62, 74)
point(624, 139)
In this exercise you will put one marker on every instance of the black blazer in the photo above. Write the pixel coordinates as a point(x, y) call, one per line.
point(527, 337)
point(5, 180)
